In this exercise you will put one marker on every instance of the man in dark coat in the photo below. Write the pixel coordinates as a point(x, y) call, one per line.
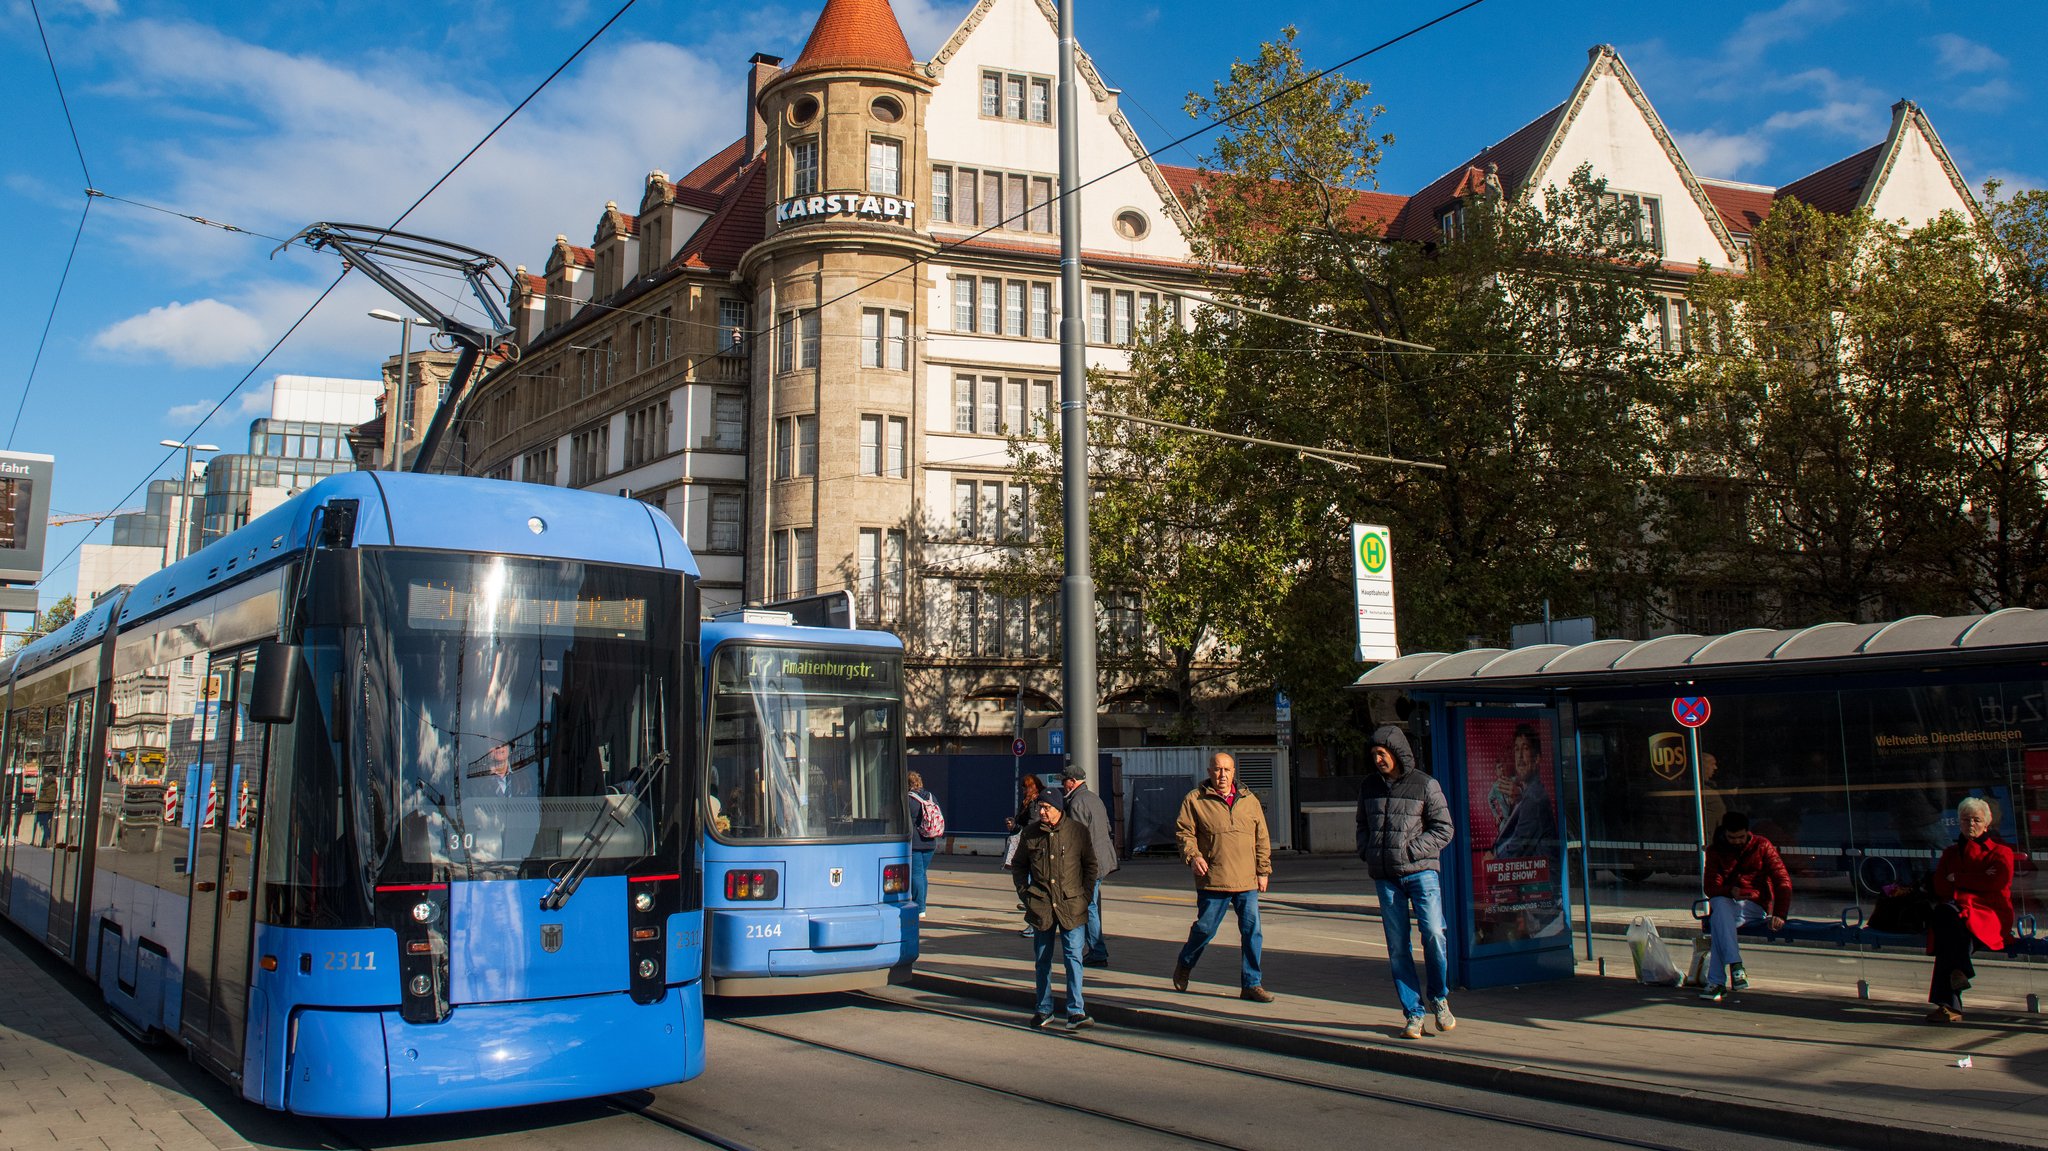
point(1087, 809)
point(1403, 827)
point(1055, 871)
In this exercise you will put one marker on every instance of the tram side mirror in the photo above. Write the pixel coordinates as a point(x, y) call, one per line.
point(337, 592)
point(272, 698)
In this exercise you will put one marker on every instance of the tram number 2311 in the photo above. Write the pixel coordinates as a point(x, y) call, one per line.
point(763, 930)
point(350, 961)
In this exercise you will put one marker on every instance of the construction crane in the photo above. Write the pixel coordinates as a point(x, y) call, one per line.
point(61, 518)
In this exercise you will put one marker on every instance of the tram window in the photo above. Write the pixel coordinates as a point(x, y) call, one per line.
point(802, 746)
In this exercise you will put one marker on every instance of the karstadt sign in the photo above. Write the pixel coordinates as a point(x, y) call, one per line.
point(846, 205)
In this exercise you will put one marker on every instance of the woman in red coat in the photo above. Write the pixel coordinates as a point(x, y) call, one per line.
point(1973, 890)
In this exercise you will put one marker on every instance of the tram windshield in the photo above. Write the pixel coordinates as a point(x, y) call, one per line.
point(519, 714)
point(806, 743)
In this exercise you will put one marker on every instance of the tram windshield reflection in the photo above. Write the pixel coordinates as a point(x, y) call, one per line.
point(807, 743)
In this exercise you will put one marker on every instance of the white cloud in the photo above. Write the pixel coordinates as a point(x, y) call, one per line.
point(927, 23)
point(1959, 54)
point(1994, 95)
point(204, 333)
point(1710, 153)
point(100, 8)
point(1791, 21)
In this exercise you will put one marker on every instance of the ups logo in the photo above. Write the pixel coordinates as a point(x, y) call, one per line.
point(1667, 754)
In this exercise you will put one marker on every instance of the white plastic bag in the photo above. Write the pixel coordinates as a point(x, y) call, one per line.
point(1010, 848)
point(1653, 960)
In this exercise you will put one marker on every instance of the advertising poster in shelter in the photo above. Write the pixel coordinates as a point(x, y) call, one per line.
point(1516, 851)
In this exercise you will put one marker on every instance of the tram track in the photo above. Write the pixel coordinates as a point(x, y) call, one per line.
point(1097, 1038)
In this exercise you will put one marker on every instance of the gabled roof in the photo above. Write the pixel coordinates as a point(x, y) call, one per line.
point(1840, 187)
point(738, 224)
point(714, 177)
point(859, 34)
point(1742, 207)
point(1512, 159)
point(1378, 208)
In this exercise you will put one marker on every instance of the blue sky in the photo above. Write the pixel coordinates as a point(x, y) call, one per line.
point(272, 115)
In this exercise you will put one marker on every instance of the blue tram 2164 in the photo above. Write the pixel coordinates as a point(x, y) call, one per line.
point(384, 804)
point(806, 853)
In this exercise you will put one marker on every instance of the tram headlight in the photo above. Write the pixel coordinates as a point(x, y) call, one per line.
point(421, 986)
point(643, 901)
point(648, 969)
point(424, 911)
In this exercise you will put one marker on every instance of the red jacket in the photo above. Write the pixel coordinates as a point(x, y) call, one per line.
point(1753, 872)
point(1977, 875)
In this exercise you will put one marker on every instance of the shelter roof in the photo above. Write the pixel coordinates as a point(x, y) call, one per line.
point(1828, 648)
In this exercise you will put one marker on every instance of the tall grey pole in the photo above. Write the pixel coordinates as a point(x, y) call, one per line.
point(185, 504)
point(403, 394)
point(1077, 589)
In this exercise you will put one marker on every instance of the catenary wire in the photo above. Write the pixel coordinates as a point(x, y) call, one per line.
point(307, 314)
point(954, 245)
point(56, 297)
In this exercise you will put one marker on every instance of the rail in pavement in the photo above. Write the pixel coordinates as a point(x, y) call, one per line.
point(1782, 1058)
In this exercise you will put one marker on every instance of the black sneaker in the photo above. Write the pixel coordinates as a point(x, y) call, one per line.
point(1041, 1019)
point(1079, 1022)
point(1738, 977)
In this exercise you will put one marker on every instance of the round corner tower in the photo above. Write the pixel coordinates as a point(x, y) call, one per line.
point(840, 289)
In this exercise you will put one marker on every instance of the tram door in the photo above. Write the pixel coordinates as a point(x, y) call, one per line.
point(70, 823)
point(216, 999)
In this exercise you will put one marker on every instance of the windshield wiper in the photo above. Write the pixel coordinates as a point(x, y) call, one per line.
point(609, 819)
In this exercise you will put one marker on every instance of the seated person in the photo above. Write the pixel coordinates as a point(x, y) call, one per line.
point(1743, 873)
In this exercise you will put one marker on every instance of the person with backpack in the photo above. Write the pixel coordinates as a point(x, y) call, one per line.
point(927, 826)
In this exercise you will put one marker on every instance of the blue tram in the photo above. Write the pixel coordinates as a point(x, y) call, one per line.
point(806, 853)
point(382, 805)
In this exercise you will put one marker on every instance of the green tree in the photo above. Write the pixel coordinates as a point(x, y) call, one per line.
point(1541, 400)
point(1821, 395)
point(57, 615)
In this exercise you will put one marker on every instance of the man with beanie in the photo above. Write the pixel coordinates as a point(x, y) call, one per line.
point(1054, 870)
point(1222, 834)
point(1087, 809)
point(1403, 827)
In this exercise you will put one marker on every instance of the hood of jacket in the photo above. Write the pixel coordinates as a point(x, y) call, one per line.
point(1391, 738)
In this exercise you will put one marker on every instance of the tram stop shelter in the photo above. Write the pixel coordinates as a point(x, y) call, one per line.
point(1586, 780)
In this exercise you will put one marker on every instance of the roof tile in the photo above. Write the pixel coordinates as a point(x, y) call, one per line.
point(1512, 159)
point(1837, 187)
point(856, 34)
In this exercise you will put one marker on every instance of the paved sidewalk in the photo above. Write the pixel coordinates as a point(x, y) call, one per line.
point(1797, 1056)
point(69, 1080)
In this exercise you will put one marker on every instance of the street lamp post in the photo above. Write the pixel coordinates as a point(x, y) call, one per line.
point(401, 407)
point(184, 496)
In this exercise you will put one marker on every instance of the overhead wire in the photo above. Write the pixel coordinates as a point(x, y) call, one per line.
point(1143, 156)
point(304, 316)
point(64, 278)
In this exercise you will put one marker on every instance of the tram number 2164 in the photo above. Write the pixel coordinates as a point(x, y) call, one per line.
point(763, 930)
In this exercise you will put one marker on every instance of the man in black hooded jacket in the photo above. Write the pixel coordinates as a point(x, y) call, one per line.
point(1403, 827)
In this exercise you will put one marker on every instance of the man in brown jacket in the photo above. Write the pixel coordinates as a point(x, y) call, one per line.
point(1222, 833)
point(1055, 871)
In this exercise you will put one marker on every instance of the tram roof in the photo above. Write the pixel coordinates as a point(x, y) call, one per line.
point(1919, 641)
point(720, 631)
point(441, 513)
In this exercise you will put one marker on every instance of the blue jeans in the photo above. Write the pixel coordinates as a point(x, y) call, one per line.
point(1724, 916)
point(1070, 943)
point(920, 868)
point(1209, 908)
point(1425, 889)
point(1098, 948)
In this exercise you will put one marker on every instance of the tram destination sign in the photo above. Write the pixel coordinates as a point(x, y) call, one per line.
point(24, 510)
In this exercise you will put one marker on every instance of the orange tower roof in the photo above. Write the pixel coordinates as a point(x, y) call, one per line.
point(856, 34)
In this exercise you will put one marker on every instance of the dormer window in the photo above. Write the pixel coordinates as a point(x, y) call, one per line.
point(1451, 222)
point(1648, 213)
